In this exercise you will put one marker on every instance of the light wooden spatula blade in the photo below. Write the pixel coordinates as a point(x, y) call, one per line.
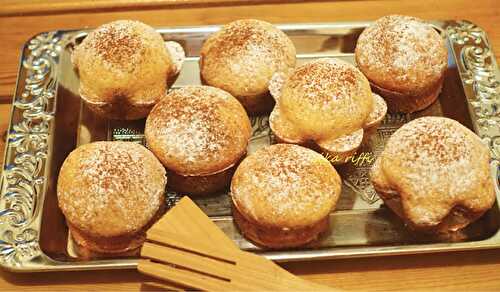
point(186, 218)
point(185, 247)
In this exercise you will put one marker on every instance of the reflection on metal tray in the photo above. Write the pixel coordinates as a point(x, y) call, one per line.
point(49, 120)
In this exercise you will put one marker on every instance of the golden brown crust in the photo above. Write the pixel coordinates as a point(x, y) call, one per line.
point(198, 131)
point(283, 130)
point(326, 105)
point(109, 189)
point(326, 98)
point(278, 238)
point(110, 193)
point(405, 60)
point(434, 173)
point(285, 186)
point(242, 57)
point(123, 68)
point(343, 146)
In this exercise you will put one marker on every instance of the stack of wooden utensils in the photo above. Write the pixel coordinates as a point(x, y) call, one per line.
point(188, 251)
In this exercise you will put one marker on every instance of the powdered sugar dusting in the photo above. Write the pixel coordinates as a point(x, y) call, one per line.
point(251, 50)
point(344, 143)
point(123, 68)
point(113, 188)
point(250, 40)
point(327, 81)
point(403, 49)
point(283, 129)
point(379, 110)
point(197, 125)
point(325, 99)
point(437, 162)
point(276, 84)
point(286, 184)
point(117, 44)
point(177, 54)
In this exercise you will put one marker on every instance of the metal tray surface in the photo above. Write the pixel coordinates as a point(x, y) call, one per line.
point(49, 120)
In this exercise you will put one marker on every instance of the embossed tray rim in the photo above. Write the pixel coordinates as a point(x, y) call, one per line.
point(19, 246)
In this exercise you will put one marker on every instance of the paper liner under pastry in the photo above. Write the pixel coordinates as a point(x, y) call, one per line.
point(128, 245)
point(120, 109)
point(200, 185)
point(278, 238)
point(403, 103)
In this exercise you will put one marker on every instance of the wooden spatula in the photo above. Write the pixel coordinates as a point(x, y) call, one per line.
point(186, 248)
point(185, 218)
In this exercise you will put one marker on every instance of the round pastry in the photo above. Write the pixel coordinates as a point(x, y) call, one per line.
point(242, 57)
point(199, 133)
point(283, 194)
point(124, 67)
point(110, 193)
point(326, 103)
point(405, 60)
point(434, 173)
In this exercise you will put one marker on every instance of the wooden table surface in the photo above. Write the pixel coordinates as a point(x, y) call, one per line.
point(478, 270)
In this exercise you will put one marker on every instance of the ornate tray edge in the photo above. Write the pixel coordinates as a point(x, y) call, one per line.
point(480, 78)
point(28, 145)
point(23, 180)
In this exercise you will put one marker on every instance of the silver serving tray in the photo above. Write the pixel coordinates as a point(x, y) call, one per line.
point(48, 120)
